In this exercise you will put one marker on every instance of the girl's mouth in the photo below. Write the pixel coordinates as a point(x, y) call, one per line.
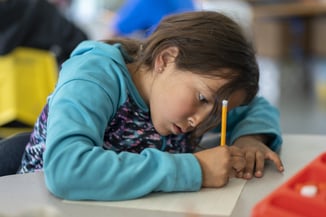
point(176, 130)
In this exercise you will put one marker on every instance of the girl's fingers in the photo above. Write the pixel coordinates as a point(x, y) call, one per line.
point(235, 151)
point(250, 165)
point(276, 160)
point(259, 164)
point(238, 162)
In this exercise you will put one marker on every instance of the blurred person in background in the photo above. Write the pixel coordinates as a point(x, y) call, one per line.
point(138, 18)
point(37, 24)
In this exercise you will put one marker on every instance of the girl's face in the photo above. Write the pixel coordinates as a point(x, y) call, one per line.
point(179, 101)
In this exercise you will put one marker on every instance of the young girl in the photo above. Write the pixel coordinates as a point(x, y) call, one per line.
point(126, 116)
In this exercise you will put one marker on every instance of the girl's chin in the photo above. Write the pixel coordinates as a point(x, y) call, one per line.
point(161, 131)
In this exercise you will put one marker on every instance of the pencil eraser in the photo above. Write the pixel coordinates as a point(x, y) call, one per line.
point(309, 190)
point(224, 102)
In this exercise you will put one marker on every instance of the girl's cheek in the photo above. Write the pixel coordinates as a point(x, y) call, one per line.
point(187, 110)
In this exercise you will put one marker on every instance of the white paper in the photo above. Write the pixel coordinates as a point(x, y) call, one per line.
point(207, 201)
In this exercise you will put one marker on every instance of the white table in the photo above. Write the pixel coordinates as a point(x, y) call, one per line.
point(19, 193)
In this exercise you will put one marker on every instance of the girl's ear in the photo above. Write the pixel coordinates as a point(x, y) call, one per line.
point(167, 56)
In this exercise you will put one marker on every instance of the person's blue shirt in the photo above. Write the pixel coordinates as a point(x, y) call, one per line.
point(142, 16)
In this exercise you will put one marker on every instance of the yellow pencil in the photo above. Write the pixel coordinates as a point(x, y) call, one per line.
point(223, 122)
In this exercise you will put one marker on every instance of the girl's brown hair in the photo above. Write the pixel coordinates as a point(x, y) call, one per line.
point(210, 44)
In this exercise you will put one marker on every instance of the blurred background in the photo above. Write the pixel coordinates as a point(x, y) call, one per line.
point(289, 36)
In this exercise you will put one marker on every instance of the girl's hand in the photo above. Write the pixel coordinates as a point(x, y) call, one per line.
point(256, 152)
point(219, 164)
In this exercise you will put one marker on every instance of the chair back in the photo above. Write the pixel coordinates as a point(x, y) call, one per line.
point(27, 77)
point(11, 152)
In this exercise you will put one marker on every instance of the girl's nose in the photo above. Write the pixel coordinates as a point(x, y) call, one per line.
point(196, 119)
point(191, 122)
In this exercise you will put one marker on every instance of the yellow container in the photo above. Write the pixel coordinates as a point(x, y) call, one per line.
point(27, 77)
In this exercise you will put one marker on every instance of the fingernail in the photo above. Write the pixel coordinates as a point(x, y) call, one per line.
point(247, 175)
point(259, 173)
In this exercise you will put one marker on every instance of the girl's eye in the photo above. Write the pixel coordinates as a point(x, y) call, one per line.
point(202, 98)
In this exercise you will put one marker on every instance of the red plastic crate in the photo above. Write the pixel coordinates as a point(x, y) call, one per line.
point(287, 200)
